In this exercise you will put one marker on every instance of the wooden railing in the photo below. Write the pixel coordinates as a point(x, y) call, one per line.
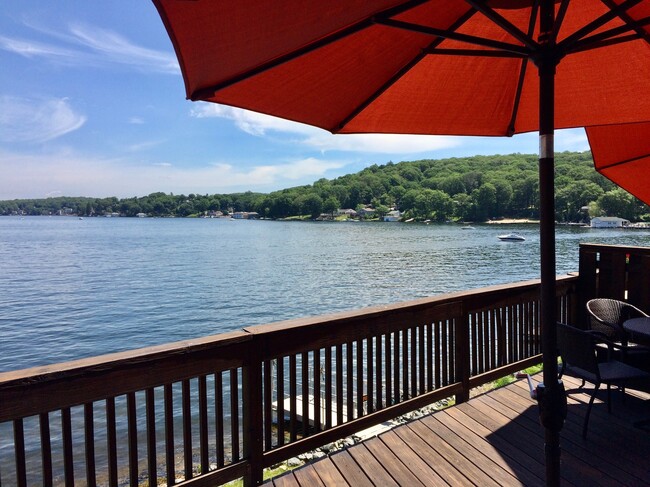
point(210, 410)
point(616, 272)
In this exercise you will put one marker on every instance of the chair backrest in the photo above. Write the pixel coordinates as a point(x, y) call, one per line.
point(607, 316)
point(577, 348)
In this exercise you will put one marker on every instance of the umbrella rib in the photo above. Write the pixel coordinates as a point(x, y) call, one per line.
point(209, 91)
point(570, 41)
point(628, 20)
point(457, 36)
point(610, 37)
point(525, 39)
point(522, 72)
point(559, 19)
point(382, 89)
point(626, 161)
point(473, 52)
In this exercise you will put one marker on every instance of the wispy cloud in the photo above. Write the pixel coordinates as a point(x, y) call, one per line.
point(136, 121)
point(67, 173)
point(260, 125)
point(85, 45)
point(37, 120)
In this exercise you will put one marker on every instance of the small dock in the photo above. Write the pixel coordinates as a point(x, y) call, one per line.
point(495, 439)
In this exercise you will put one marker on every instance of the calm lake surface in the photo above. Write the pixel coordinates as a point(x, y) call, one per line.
point(73, 288)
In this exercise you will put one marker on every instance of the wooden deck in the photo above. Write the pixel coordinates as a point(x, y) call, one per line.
point(495, 439)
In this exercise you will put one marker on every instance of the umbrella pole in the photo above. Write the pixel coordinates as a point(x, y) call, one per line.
point(550, 394)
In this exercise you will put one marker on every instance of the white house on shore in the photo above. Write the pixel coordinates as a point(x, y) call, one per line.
point(392, 216)
point(609, 222)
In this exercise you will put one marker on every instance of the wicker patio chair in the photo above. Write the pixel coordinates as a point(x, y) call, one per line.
point(577, 349)
point(607, 317)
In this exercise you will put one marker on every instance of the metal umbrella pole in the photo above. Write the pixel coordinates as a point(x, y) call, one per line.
point(550, 394)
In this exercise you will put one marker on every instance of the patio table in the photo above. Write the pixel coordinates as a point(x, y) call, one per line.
point(639, 329)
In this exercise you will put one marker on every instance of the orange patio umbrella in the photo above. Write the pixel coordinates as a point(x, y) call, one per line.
point(622, 154)
point(448, 67)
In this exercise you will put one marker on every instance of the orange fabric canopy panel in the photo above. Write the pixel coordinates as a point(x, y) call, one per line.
point(352, 66)
point(622, 154)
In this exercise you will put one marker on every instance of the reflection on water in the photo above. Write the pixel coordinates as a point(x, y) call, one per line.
point(74, 288)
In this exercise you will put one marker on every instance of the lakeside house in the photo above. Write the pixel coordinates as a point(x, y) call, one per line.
point(245, 215)
point(393, 216)
point(609, 222)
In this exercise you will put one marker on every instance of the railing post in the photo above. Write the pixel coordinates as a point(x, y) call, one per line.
point(252, 417)
point(462, 357)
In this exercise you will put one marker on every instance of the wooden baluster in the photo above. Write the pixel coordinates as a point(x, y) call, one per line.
point(280, 399)
point(46, 450)
point(370, 379)
point(405, 364)
point(379, 389)
point(19, 446)
point(234, 414)
point(304, 378)
point(218, 418)
point(396, 367)
point(431, 355)
point(293, 392)
point(268, 399)
point(339, 384)
point(152, 463)
point(133, 438)
point(389, 369)
point(349, 373)
point(317, 398)
point(170, 460)
point(414, 362)
point(187, 429)
point(328, 387)
point(203, 424)
point(359, 345)
point(111, 437)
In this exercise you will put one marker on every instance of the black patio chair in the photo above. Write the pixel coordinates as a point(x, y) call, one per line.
point(578, 351)
point(607, 317)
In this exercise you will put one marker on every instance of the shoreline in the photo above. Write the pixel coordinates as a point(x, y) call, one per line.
point(507, 221)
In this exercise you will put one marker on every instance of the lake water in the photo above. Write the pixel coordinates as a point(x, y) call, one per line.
point(73, 288)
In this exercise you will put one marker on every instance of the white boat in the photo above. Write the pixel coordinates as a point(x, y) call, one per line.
point(512, 237)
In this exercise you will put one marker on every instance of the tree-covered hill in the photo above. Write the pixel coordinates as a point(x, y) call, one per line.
point(469, 188)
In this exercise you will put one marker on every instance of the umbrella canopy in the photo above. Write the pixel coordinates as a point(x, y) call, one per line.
point(417, 67)
point(448, 67)
point(622, 154)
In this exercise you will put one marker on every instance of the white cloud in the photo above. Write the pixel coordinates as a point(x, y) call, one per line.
point(37, 120)
point(136, 121)
point(84, 45)
point(37, 176)
point(260, 125)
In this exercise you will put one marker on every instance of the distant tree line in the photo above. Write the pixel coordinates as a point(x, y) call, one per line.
point(470, 189)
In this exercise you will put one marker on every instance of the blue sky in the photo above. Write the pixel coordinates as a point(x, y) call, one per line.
point(92, 103)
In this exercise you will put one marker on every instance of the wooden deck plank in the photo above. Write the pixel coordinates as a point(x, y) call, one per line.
point(474, 474)
point(502, 453)
point(570, 456)
point(597, 449)
point(372, 467)
point(328, 472)
point(436, 461)
point(307, 477)
point(286, 480)
point(495, 439)
point(397, 469)
point(498, 469)
point(411, 459)
point(350, 470)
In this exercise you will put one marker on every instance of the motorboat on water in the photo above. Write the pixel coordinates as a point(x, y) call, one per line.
point(513, 237)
